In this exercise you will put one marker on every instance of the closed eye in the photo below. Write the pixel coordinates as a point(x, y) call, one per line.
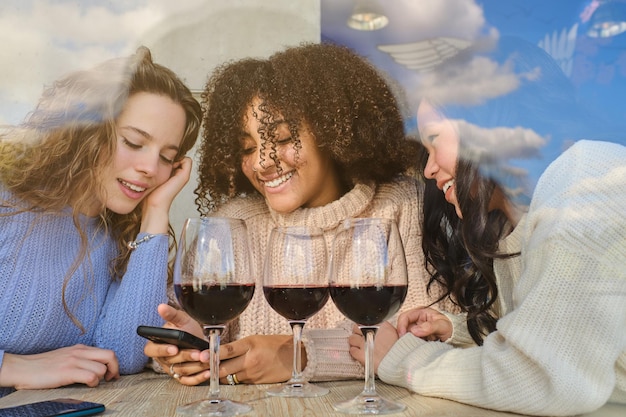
point(167, 160)
point(284, 141)
point(248, 151)
point(130, 144)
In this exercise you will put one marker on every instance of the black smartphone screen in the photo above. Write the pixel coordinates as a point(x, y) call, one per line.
point(179, 338)
point(65, 407)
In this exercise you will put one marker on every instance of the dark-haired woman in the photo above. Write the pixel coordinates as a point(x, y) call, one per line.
point(542, 287)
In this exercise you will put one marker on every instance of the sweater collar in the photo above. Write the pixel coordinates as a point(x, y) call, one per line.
point(327, 217)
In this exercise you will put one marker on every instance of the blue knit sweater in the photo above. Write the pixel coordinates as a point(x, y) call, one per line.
point(36, 252)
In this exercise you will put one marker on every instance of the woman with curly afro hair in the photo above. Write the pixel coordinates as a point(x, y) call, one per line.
point(311, 136)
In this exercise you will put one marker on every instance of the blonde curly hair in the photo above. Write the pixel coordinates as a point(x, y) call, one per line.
point(52, 160)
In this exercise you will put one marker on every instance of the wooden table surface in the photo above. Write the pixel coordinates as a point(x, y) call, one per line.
point(154, 395)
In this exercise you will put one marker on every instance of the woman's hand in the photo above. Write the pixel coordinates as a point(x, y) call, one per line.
point(184, 362)
point(156, 206)
point(426, 323)
point(386, 336)
point(69, 365)
point(258, 359)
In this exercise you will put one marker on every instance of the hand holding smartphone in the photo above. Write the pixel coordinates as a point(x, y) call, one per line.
point(176, 337)
point(65, 407)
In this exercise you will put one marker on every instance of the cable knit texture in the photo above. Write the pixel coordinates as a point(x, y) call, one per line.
point(36, 252)
point(560, 344)
point(325, 334)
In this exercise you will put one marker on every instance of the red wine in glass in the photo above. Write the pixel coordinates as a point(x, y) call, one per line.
point(214, 304)
point(296, 303)
point(368, 305)
point(295, 285)
point(368, 284)
point(214, 284)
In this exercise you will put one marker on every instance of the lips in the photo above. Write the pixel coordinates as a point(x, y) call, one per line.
point(447, 185)
point(132, 187)
point(278, 181)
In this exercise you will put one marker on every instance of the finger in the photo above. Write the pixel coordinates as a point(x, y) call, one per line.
point(187, 368)
point(228, 350)
point(159, 350)
point(86, 376)
point(180, 175)
point(90, 369)
point(356, 340)
point(185, 165)
point(233, 367)
point(429, 330)
point(357, 353)
point(183, 356)
point(423, 329)
point(405, 319)
point(174, 316)
point(195, 379)
point(104, 357)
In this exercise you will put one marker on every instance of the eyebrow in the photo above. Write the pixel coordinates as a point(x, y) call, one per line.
point(147, 136)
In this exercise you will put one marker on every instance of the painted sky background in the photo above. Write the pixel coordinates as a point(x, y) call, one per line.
point(595, 68)
point(43, 39)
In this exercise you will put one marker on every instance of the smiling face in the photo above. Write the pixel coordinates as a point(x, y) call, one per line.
point(150, 129)
point(441, 139)
point(307, 177)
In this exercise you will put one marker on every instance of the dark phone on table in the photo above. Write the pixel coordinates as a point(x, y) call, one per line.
point(179, 338)
point(65, 407)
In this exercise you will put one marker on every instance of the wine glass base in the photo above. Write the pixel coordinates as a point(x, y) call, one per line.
point(369, 404)
point(218, 407)
point(297, 389)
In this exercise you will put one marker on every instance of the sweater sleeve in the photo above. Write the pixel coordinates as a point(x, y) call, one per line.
point(460, 333)
point(328, 354)
point(555, 352)
point(132, 302)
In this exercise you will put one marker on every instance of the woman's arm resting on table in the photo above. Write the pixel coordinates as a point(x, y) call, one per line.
point(69, 365)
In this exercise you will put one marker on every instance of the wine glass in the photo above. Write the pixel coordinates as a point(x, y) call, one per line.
point(295, 285)
point(368, 284)
point(214, 284)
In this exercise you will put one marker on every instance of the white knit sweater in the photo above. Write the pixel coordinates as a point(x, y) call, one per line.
point(325, 334)
point(560, 344)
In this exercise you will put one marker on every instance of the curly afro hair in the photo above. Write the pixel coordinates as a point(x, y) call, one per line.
point(344, 101)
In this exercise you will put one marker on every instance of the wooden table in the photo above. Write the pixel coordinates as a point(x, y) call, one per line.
point(154, 395)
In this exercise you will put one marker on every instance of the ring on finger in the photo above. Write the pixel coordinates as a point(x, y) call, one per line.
point(175, 375)
point(232, 379)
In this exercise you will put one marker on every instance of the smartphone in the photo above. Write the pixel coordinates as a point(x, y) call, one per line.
point(179, 338)
point(65, 407)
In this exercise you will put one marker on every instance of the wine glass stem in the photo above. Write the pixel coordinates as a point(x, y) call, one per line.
point(369, 333)
point(213, 334)
point(296, 327)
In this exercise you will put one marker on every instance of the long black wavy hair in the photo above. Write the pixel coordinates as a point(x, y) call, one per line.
point(460, 252)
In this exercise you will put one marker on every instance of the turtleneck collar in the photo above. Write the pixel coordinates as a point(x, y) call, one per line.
point(351, 204)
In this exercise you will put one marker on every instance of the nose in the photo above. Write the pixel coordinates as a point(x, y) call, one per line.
point(431, 167)
point(147, 163)
point(262, 160)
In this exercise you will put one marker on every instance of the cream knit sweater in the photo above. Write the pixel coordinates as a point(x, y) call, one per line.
point(560, 344)
point(325, 334)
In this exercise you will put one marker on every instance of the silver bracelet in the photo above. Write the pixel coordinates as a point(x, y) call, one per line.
point(134, 243)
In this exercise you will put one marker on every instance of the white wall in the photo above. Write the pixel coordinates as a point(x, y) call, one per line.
point(194, 43)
